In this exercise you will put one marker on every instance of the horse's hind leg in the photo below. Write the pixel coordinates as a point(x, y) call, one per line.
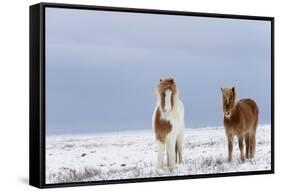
point(252, 147)
point(253, 138)
point(247, 141)
point(252, 144)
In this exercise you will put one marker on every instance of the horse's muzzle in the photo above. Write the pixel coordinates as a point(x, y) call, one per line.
point(227, 114)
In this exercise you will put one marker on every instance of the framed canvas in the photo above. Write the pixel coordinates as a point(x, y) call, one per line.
point(123, 95)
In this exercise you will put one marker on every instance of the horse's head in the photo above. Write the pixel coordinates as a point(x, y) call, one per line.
point(166, 89)
point(228, 100)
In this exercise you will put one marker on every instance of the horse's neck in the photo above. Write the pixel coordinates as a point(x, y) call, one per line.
point(175, 109)
point(176, 101)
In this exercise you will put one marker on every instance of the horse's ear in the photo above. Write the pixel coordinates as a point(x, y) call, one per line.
point(172, 80)
point(233, 89)
point(221, 89)
point(160, 80)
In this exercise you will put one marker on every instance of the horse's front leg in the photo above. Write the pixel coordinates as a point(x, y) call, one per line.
point(230, 147)
point(241, 147)
point(161, 150)
point(171, 152)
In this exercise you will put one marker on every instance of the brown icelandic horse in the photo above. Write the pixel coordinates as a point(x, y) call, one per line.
point(241, 120)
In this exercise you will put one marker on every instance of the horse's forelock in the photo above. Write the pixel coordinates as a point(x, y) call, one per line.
point(167, 84)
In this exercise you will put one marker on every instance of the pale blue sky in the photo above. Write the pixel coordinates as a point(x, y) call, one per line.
point(102, 67)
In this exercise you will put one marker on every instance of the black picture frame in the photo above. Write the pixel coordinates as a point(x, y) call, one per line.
point(37, 93)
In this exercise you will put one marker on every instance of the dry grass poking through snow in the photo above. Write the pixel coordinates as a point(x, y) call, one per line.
point(77, 158)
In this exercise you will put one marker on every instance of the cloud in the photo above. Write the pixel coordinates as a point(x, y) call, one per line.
point(102, 67)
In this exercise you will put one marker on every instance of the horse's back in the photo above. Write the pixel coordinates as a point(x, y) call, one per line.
point(249, 110)
point(249, 104)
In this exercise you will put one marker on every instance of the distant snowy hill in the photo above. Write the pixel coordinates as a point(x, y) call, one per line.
point(123, 155)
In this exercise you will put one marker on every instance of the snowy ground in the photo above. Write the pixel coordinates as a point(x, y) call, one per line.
point(108, 156)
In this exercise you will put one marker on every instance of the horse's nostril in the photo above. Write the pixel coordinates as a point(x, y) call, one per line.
point(227, 114)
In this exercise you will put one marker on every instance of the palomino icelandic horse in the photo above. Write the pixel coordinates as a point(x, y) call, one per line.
point(168, 123)
point(240, 119)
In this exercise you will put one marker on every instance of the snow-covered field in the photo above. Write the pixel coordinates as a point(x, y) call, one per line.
point(123, 155)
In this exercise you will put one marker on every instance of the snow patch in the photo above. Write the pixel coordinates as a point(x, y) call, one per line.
point(109, 156)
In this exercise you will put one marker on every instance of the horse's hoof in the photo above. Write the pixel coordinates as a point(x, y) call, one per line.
point(171, 168)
